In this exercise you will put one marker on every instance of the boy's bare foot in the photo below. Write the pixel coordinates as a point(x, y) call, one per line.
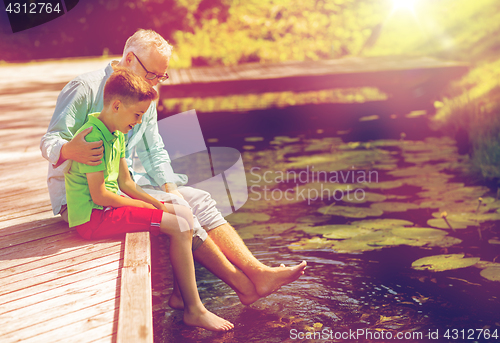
point(207, 320)
point(271, 279)
point(176, 301)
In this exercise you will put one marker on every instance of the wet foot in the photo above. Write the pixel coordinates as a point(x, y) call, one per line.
point(207, 320)
point(176, 301)
point(271, 279)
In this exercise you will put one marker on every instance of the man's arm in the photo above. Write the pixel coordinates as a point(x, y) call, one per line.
point(59, 143)
point(101, 196)
point(154, 157)
point(79, 150)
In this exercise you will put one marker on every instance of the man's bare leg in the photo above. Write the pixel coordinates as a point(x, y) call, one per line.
point(265, 279)
point(212, 258)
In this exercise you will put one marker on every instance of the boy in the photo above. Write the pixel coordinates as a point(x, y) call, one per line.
point(97, 211)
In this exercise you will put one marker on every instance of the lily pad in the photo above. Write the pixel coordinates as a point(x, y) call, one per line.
point(350, 212)
point(419, 233)
point(325, 229)
point(458, 223)
point(440, 263)
point(444, 242)
point(494, 240)
point(486, 264)
point(344, 231)
point(254, 139)
point(381, 223)
point(353, 246)
point(461, 220)
point(431, 204)
point(394, 240)
point(385, 184)
point(311, 244)
point(362, 197)
point(394, 206)
point(355, 228)
point(265, 230)
point(313, 219)
point(491, 273)
point(247, 217)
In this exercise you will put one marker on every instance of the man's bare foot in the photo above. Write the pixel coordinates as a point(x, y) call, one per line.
point(247, 299)
point(207, 320)
point(176, 301)
point(270, 280)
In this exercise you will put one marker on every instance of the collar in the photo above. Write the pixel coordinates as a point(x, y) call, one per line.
point(110, 67)
point(110, 137)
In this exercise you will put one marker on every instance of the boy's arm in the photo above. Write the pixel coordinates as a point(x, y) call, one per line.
point(101, 196)
point(129, 187)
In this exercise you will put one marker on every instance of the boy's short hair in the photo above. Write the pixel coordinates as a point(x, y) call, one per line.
point(128, 87)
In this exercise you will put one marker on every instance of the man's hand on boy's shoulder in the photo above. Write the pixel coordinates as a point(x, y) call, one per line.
point(79, 150)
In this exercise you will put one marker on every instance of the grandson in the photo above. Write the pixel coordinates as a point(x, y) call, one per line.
point(97, 211)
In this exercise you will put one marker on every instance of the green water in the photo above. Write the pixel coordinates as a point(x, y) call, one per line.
point(360, 246)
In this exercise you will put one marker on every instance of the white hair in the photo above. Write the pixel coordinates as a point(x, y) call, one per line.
point(145, 40)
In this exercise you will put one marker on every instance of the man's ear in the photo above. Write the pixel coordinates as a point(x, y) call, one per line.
point(129, 58)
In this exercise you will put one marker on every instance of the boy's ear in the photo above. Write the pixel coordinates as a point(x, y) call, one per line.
point(115, 105)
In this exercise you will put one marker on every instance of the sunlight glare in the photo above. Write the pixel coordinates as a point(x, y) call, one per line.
point(403, 4)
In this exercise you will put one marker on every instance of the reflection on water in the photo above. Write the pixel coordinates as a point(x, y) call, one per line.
point(359, 274)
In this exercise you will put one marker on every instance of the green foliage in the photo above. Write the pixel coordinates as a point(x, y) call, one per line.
point(274, 31)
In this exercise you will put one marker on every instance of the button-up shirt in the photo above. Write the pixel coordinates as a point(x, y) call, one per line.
point(144, 146)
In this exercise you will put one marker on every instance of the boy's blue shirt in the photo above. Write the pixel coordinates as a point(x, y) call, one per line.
point(80, 204)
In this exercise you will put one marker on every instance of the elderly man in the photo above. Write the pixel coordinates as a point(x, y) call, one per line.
point(221, 251)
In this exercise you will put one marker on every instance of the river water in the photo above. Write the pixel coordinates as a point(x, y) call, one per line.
point(368, 205)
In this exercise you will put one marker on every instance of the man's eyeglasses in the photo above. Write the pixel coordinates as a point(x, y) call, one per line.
point(150, 75)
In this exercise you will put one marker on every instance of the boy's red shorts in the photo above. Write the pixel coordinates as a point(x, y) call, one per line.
point(111, 222)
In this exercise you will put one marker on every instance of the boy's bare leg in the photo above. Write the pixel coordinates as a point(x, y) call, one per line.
point(265, 279)
point(195, 313)
point(175, 300)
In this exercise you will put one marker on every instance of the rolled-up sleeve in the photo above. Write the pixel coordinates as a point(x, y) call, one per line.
point(69, 115)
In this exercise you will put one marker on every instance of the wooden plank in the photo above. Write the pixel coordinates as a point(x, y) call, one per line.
point(101, 327)
point(59, 302)
point(137, 249)
point(35, 234)
point(135, 320)
point(70, 246)
point(30, 225)
point(47, 277)
point(53, 272)
point(135, 323)
point(315, 75)
point(34, 331)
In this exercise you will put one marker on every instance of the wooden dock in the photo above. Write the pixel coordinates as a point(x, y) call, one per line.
point(407, 79)
point(55, 286)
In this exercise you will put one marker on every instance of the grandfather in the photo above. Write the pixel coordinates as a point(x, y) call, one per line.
point(221, 251)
